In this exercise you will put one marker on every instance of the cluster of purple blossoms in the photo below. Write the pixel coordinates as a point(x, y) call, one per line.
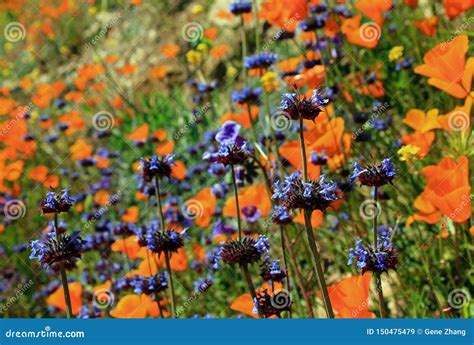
point(375, 260)
point(246, 96)
point(295, 193)
point(156, 166)
point(240, 7)
point(271, 304)
point(298, 107)
point(246, 251)
point(271, 271)
point(50, 251)
point(56, 203)
point(164, 241)
point(261, 60)
point(233, 149)
point(149, 285)
point(281, 216)
point(375, 175)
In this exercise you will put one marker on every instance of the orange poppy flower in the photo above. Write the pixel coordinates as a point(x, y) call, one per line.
point(170, 50)
point(374, 9)
point(244, 303)
point(81, 150)
point(165, 148)
point(179, 170)
point(254, 195)
point(454, 8)
point(421, 140)
point(458, 119)
point(447, 69)
point(127, 69)
point(220, 50)
point(349, 297)
point(421, 121)
point(203, 204)
point(152, 263)
point(140, 134)
point(316, 218)
point(211, 33)
point(129, 246)
point(131, 214)
point(365, 35)
point(56, 299)
point(448, 188)
point(427, 212)
point(158, 72)
point(427, 26)
point(241, 118)
point(284, 14)
point(135, 307)
point(411, 3)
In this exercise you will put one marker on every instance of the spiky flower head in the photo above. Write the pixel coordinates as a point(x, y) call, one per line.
point(246, 251)
point(159, 166)
point(375, 175)
point(56, 203)
point(50, 251)
point(368, 258)
point(295, 193)
point(300, 107)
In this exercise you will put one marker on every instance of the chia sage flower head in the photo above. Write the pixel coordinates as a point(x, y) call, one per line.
point(294, 193)
point(368, 258)
point(50, 251)
point(159, 241)
point(261, 60)
point(159, 166)
point(246, 251)
point(56, 203)
point(300, 107)
point(375, 175)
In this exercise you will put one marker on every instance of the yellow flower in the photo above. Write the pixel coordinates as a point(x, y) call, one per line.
point(231, 71)
point(407, 152)
point(197, 9)
point(395, 53)
point(194, 57)
point(269, 81)
point(202, 48)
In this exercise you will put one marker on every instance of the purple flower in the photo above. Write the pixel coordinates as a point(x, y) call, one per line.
point(251, 213)
point(228, 132)
point(301, 107)
point(261, 60)
point(375, 175)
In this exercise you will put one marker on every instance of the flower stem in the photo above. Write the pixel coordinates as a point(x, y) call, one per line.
point(236, 192)
point(67, 296)
point(311, 239)
point(168, 269)
point(244, 47)
point(316, 258)
point(250, 286)
point(303, 152)
point(378, 281)
point(285, 262)
point(167, 258)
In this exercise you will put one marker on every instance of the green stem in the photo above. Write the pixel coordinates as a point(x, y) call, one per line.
point(316, 258)
point(311, 239)
point(67, 296)
point(377, 275)
point(285, 262)
point(167, 258)
point(236, 192)
point(244, 48)
point(303, 152)
point(168, 269)
point(250, 286)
